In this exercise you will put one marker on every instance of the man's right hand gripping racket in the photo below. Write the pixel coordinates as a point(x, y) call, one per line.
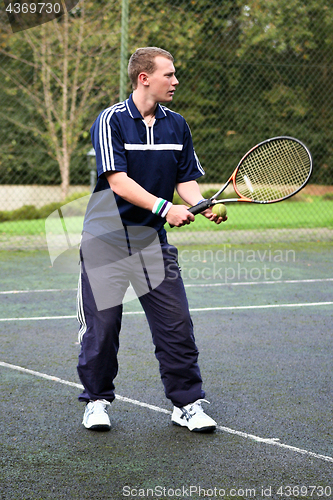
point(271, 171)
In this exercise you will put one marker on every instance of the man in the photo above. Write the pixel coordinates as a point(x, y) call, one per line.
point(143, 152)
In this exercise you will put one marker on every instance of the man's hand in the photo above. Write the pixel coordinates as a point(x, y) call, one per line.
point(213, 217)
point(178, 216)
point(190, 193)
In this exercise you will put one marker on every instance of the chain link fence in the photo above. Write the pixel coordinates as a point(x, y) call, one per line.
point(247, 72)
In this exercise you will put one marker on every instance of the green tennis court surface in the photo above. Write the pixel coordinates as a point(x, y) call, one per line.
point(262, 315)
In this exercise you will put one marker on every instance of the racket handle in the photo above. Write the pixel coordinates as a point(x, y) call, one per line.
point(200, 207)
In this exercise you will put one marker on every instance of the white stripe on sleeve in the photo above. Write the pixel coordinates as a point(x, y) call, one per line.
point(105, 136)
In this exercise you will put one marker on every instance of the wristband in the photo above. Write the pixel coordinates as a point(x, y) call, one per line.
point(161, 207)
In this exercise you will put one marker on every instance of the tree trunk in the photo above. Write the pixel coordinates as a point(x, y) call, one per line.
point(64, 171)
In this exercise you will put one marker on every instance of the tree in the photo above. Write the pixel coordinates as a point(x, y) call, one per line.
point(290, 43)
point(204, 42)
point(60, 73)
point(247, 71)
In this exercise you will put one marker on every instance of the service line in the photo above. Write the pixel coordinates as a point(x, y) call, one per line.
point(187, 285)
point(193, 309)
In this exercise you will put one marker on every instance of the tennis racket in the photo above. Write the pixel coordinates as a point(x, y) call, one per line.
point(271, 171)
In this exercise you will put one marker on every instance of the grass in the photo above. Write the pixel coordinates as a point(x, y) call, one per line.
point(315, 212)
point(35, 227)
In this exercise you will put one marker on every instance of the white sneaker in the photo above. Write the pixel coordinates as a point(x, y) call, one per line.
point(95, 415)
point(193, 417)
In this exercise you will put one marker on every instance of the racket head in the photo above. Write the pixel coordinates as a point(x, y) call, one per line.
point(273, 170)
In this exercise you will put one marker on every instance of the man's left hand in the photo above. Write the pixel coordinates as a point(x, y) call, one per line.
point(213, 217)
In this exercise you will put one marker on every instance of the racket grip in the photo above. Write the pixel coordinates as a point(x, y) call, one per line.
point(200, 207)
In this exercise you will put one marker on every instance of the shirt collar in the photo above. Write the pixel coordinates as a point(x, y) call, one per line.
point(135, 113)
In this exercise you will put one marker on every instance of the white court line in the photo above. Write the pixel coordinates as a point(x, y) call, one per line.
point(188, 285)
point(252, 437)
point(264, 306)
point(38, 318)
point(193, 309)
point(251, 283)
point(79, 386)
point(5, 292)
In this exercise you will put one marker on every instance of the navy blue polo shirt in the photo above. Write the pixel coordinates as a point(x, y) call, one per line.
point(156, 157)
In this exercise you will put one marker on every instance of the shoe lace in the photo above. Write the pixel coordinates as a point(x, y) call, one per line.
point(196, 406)
point(99, 405)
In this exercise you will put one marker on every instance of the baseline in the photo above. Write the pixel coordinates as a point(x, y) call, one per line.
point(269, 441)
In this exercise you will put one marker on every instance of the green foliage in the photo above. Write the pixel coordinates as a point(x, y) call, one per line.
point(247, 71)
point(290, 44)
point(27, 212)
point(210, 192)
point(30, 212)
point(177, 199)
point(55, 80)
point(315, 212)
point(328, 197)
point(46, 210)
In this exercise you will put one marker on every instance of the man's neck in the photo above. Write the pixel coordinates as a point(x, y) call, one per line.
point(145, 106)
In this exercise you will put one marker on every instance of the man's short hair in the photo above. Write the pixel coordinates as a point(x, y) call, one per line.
point(143, 59)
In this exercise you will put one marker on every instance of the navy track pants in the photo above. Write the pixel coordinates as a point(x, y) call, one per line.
point(167, 312)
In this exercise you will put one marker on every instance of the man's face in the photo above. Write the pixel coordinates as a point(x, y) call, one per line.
point(162, 82)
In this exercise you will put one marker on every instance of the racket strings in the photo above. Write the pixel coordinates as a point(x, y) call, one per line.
point(273, 171)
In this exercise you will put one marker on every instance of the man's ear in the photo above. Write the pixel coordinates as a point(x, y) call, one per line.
point(143, 79)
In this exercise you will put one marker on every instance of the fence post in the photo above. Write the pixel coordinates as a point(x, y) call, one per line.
point(123, 50)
